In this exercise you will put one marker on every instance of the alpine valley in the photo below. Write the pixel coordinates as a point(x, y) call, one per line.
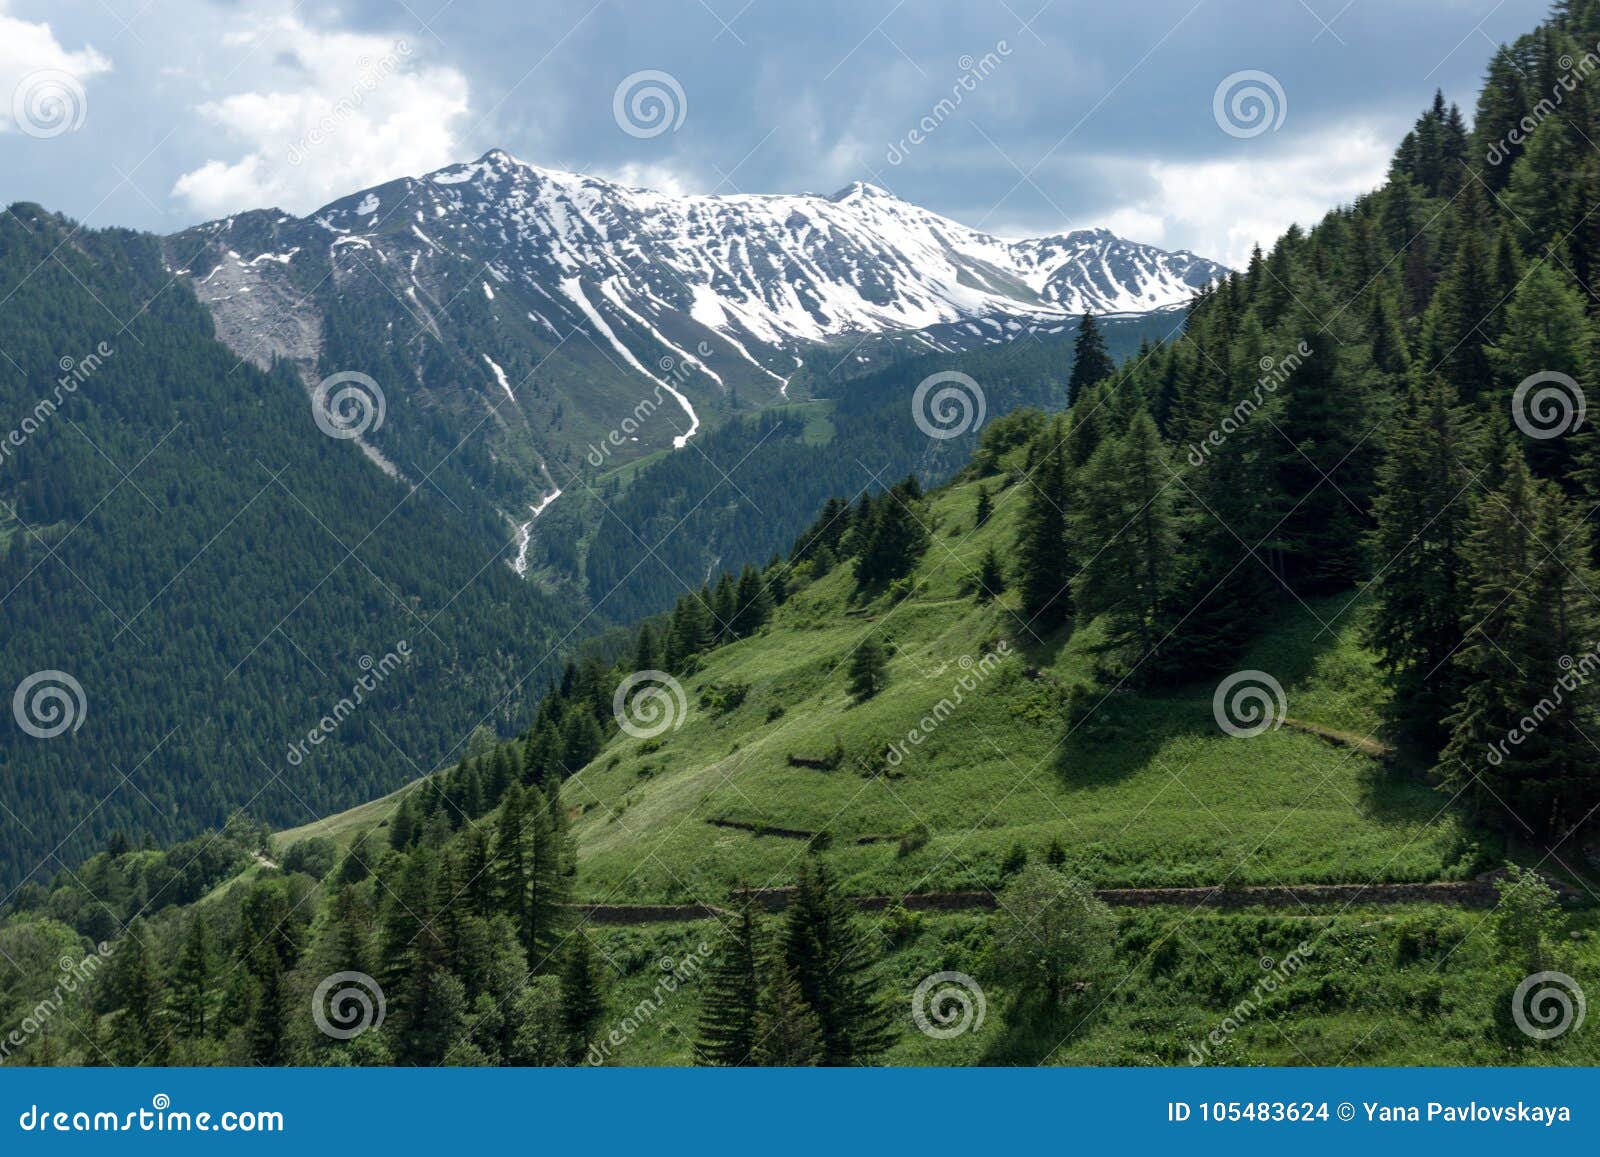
point(802, 630)
point(585, 398)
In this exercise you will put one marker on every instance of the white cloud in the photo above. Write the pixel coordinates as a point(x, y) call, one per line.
point(1221, 208)
point(354, 109)
point(660, 178)
point(41, 82)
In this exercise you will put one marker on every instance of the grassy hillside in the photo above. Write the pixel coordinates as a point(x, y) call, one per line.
point(1150, 791)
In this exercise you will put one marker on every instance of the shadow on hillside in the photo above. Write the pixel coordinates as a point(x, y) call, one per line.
point(1119, 733)
point(1032, 1033)
point(1115, 733)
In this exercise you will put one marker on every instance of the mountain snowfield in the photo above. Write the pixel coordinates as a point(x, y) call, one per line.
point(783, 269)
point(715, 287)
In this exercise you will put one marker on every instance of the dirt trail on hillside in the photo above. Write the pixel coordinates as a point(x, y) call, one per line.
point(1467, 893)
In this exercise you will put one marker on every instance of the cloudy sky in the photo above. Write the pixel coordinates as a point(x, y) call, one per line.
point(1019, 116)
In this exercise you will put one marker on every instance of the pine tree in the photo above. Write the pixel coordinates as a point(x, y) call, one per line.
point(1453, 338)
point(1497, 557)
point(1326, 462)
point(581, 738)
point(893, 541)
point(268, 1031)
point(869, 667)
point(831, 956)
point(724, 607)
point(731, 991)
point(139, 1034)
point(1090, 361)
point(991, 577)
point(1546, 330)
point(582, 994)
point(787, 1033)
point(754, 603)
point(985, 507)
point(1424, 502)
point(191, 979)
point(1044, 567)
point(1125, 506)
point(647, 654)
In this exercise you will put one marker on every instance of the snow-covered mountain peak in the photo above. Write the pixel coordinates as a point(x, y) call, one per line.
point(716, 292)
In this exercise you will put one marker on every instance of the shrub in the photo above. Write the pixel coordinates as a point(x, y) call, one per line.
point(914, 840)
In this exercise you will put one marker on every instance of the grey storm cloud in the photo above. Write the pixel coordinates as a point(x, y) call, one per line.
point(1010, 114)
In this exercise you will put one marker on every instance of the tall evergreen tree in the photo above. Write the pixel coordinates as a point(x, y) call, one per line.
point(731, 991)
point(828, 949)
point(1425, 498)
point(1125, 507)
point(787, 1033)
point(1044, 565)
point(1090, 361)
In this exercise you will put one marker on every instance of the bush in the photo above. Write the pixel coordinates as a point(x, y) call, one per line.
point(1053, 937)
point(914, 840)
point(721, 698)
point(900, 925)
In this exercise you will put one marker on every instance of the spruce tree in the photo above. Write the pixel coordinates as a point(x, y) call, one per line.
point(731, 991)
point(582, 994)
point(787, 1033)
point(831, 955)
point(191, 979)
point(1498, 559)
point(1090, 361)
point(1125, 507)
point(1425, 498)
point(139, 1033)
point(991, 577)
point(869, 667)
point(1044, 567)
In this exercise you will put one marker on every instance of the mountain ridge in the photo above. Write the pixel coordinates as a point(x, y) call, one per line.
point(705, 294)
